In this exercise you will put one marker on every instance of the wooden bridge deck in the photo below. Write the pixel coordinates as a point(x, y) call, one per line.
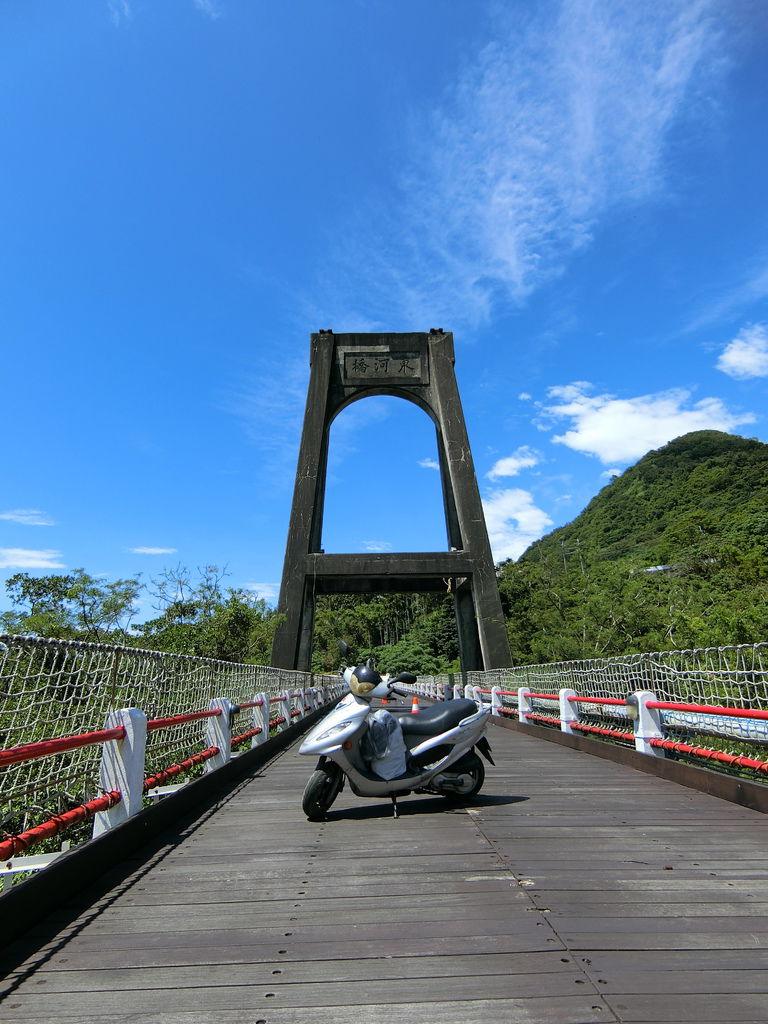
point(574, 891)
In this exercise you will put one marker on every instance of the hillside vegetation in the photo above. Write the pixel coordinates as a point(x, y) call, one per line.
point(673, 553)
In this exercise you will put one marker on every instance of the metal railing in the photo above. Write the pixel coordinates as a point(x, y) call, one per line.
point(706, 706)
point(95, 732)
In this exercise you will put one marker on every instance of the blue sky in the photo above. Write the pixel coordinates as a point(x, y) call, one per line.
point(188, 188)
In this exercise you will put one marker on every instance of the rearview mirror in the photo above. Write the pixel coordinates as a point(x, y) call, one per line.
point(405, 677)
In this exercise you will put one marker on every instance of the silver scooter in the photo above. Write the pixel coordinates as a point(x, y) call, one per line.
point(386, 755)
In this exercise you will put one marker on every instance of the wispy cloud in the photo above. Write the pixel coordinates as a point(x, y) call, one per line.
point(747, 354)
point(153, 551)
point(429, 464)
point(26, 558)
point(266, 591)
point(524, 458)
point(269, 406)
point(514, 522)
point(377, 545)
point(119, 11)
point(209, 8)
point(27, 517)
point(623, 429)
point(561, 117)
point(738, 297)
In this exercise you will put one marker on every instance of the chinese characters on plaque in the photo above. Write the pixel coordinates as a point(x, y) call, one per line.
point(383, 366)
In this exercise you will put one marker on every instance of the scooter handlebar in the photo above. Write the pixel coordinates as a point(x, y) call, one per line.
point(400, 693)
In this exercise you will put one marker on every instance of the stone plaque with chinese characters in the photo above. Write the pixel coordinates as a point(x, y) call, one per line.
point(385, 368)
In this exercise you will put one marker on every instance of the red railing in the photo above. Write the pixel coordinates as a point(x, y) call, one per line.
point(61, 745)
point(177, 769)
point(13, 845)
point(708, 709)
point(169, 723)
point(733, 760)
point(642, 735)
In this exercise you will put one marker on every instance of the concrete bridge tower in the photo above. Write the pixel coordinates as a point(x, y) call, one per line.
point(418, 367)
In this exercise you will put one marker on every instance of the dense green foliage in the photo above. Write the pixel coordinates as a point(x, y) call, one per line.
point(672, 554)
point(403, 632)
point(195, 616)
point(72, 607)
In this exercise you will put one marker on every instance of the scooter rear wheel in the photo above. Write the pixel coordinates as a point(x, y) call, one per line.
point(322, 788)
point(473, 770)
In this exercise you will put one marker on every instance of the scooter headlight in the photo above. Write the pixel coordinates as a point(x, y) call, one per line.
point(338, 727)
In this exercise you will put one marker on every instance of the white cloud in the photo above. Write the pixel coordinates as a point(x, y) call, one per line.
point(747, 355)
point(269, 405)
point(623, 429)
point(266, 591)
point(524, 396)
point(209, 8)
point(524, 458)
point(153, 551)
point(513, 521)
point(25, 558)
point(119, 10)
point(559, 117)
point(27, 517)
point(429, 464)
point(378, 545)
point(610, 474)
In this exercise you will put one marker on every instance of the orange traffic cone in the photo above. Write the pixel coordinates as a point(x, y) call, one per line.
point(415, 705)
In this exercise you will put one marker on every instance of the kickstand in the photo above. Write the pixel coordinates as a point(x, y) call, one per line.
point(393, 797)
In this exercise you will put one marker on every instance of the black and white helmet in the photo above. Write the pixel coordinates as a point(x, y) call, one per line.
point(364, 681)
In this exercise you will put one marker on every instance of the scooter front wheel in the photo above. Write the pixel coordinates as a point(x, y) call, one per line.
point(322, 788)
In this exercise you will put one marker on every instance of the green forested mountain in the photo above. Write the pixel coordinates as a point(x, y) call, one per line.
point(673, 553)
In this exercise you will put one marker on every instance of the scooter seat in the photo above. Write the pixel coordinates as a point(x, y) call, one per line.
point(437, 718)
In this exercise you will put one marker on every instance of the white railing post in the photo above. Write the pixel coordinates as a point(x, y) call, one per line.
point(458, 691)
point(469, 692)
point(524, 705)
point(497, 702)
point(218, 733)
point(477, 697)
point(122, 768)
point(285, 710)
point(569, 711)
point(261, 719)
point(646, 721)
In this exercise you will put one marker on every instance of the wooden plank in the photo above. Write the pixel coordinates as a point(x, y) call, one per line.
point(266, 994)
point(528, 973)
point(75, 957)
point(735, 960)
point(697, 1009)
point(540, 1010)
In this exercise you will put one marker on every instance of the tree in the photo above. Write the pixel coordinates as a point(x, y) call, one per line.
point(197, 617)
point(74, 607)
